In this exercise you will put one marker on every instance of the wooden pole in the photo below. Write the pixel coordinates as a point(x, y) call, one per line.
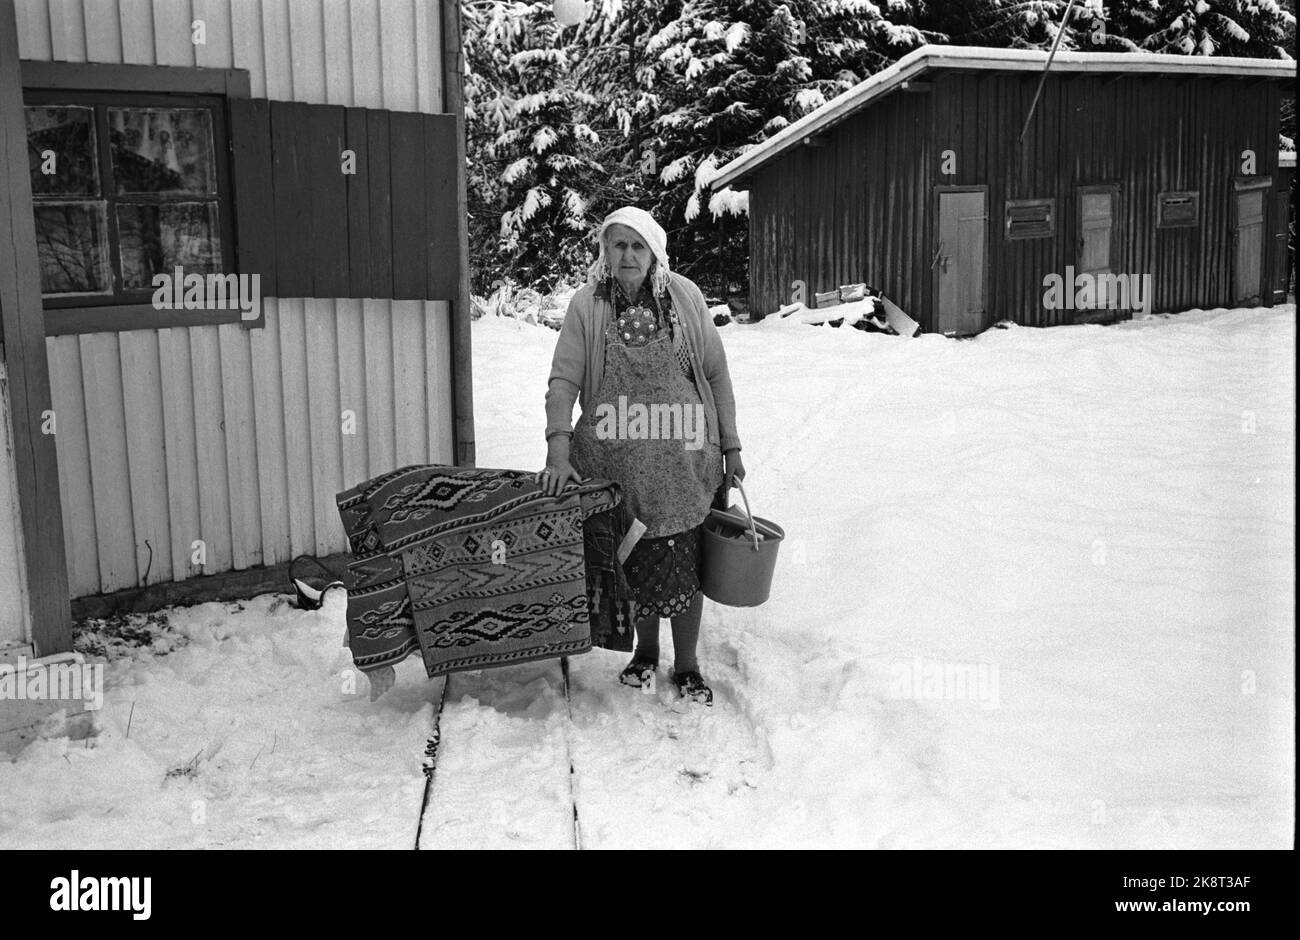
point(22, 338)
point(1065, 21)
point(462, 382)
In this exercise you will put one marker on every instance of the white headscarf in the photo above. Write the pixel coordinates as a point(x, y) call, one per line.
point(651, 232)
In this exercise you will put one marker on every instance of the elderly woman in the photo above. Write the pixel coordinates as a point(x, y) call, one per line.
point(638, 334)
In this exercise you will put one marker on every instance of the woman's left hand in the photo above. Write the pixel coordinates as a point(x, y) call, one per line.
point(733, 468)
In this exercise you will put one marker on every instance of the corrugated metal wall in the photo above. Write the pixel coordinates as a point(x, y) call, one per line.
point(872, 186)
point(219, 433)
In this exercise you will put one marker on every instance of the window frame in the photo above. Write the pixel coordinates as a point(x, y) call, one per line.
point(51, 84)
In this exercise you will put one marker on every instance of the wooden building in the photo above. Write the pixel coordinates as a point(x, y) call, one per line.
point(919, 182)
point(154, 441)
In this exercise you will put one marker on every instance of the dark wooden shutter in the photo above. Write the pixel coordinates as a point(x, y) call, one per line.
point(292, 195)
point(406, 160)
point(359, 214)
point(379, 194)
point(388, 231)
point(444, 217)
point(250, 160)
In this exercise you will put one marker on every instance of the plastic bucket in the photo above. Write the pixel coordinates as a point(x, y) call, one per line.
point(737, 572)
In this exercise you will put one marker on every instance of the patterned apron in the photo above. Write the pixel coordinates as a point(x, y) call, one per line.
point(668, 486)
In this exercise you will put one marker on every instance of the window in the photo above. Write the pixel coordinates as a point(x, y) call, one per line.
point(1178, 209)
point(1030, 218)
point(126, 187)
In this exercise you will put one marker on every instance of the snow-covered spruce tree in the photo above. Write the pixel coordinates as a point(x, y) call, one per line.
point(1253, 28)
point(1006, 24)
point(530, 147)
point(1249, 28)
point(729, 74)
point(1257, 28)
point(624, 77)
point(489, 32)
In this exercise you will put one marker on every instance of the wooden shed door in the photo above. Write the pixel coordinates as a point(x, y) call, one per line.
point(1096, 230)
point(959, 262)
point(1281, 268)
point(1249, 251)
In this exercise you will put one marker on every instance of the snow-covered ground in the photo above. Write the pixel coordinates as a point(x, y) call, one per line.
point(1093, 525)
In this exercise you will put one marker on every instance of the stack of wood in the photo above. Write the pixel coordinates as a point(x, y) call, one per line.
point(861, 309)
point(859, 305)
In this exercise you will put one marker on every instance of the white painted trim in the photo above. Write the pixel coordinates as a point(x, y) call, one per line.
point(926, 58)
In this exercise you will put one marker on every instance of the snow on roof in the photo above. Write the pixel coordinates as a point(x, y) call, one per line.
point(925, 58)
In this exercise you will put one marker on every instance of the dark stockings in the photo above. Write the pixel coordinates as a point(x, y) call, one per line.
point(686, 636)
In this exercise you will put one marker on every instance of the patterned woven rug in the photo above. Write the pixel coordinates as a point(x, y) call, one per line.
point(475, 567)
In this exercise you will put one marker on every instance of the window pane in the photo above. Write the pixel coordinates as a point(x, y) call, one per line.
point(61, 151)
point(72, 244)
point(154, 239)
point(161, 150)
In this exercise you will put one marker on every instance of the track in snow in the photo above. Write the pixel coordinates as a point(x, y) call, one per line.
point(611, 767)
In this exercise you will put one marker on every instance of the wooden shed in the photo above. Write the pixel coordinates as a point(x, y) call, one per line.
point(312, 151)
point(925, 182)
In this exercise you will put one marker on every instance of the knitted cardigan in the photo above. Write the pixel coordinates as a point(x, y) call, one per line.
point(578, 365)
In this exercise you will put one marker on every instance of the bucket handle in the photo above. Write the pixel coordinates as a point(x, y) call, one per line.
point(753, 529)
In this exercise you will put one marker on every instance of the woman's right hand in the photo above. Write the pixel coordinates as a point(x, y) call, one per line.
point(558, 473)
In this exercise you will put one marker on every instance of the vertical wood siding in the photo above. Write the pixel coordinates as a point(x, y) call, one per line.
point(221, 434)
point(1146, 133)
point(848, 211)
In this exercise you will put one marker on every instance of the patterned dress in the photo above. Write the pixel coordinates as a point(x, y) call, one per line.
point(669, 486)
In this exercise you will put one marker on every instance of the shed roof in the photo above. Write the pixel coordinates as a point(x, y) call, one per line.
point(965, 58)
